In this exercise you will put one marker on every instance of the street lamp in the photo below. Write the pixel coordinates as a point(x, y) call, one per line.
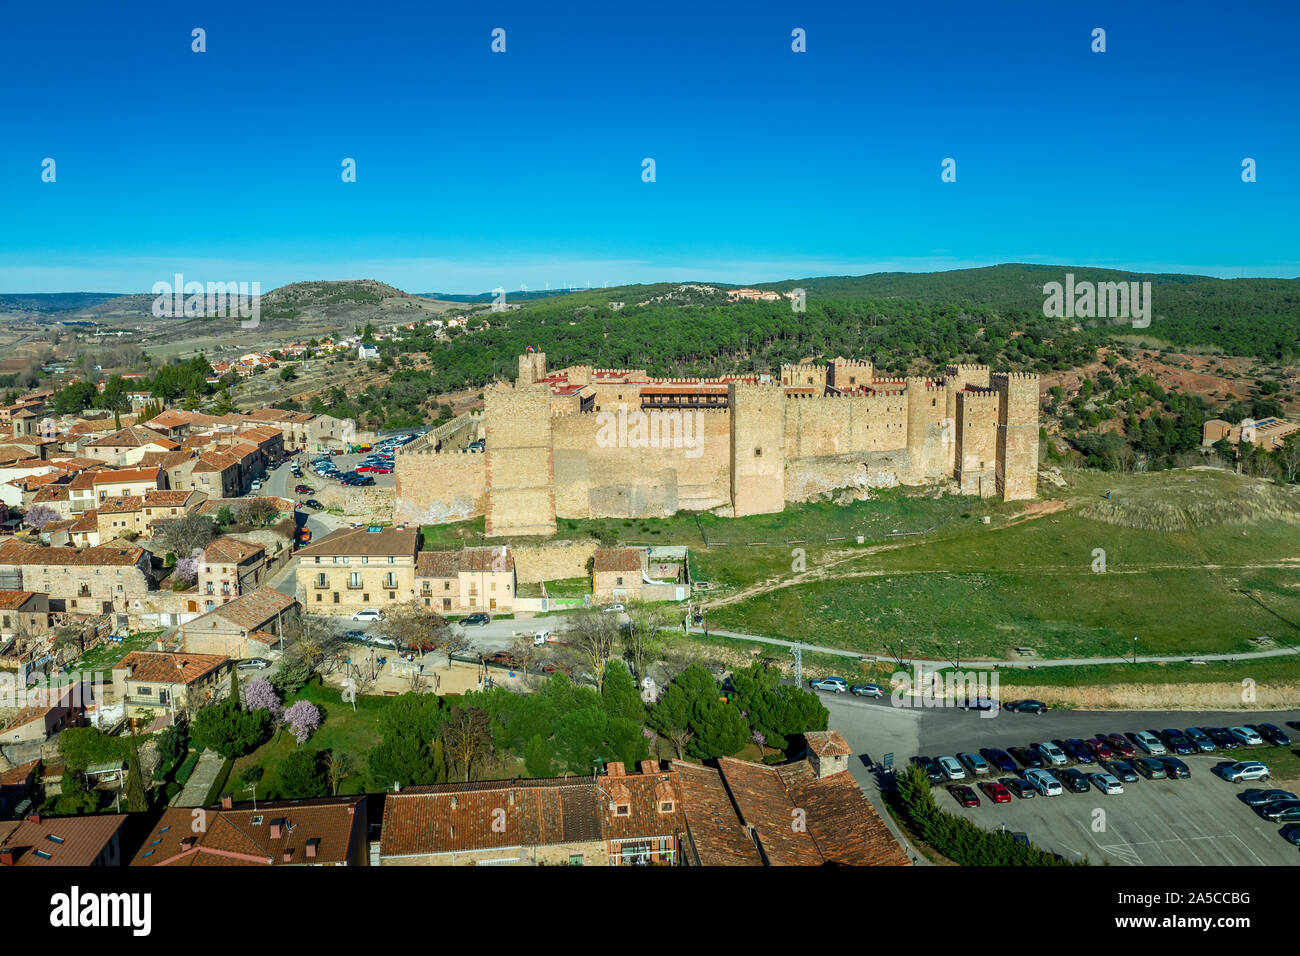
point(959, 653)
point(1135, 649)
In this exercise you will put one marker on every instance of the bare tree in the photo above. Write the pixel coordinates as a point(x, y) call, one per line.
point(467, 735)
point(339, 766)
point(312, 639)
point(1288, 458)
point(646, 636)
point(454, 640)
point(414, 626)
point(592, 636)
point(185, 535)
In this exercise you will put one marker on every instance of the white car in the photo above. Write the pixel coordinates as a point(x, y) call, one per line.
point(615, 609)
point(378, 640)
point(256, 486)
point(1044, 783)
point(1246, 735)
point(951, 768)
point(1052, 754)
point(1106, 783)
point(1243, 770)
point(369, 614)
point(1149, 742)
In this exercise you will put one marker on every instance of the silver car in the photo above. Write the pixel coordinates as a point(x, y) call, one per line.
point(1246, 736)
point(1243, 770)
point(951, 768)
point(1106, 783)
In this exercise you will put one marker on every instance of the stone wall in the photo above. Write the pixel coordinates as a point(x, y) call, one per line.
point(370, 504)
point(1017, 442)
point(552, 560)
point(440, 487)
point(757, 448)
point(520, 476)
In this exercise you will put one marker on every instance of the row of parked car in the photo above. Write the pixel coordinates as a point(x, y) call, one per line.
point(1119, 758)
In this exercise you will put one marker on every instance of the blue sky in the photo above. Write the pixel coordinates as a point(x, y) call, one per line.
point(477, 169)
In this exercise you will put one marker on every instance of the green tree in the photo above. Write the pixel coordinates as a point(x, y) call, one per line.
point(135, 798)
point(619, 694)
point(406, 753)
point(537, 757)
point(303, 774)
point(229, 730)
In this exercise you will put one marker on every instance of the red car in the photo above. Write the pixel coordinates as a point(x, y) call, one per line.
point(303, 490)
point(1119, 744)
point(1099, 749)
point(965, 795)
point(367, 468)
point(995, 792)
point(379, 470)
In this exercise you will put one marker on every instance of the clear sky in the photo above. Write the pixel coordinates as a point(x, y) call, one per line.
point(477, 169)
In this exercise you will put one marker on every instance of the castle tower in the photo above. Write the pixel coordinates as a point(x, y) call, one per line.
point(848, 374)
point(519, 462)
point(757, 448)
point(806, 374)
point(532, 368)
point(1017, 446)
point(977, 441)
point(957, 377)
point(926, 407)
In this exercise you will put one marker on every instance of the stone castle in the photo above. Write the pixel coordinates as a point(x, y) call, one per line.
point(584, 442)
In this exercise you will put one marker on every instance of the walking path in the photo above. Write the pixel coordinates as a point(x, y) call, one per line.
point(201, 780)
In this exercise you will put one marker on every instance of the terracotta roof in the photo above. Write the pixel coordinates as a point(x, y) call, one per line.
point(841, 819)
point(363, 541)
point(78, 840)
point(89, 521)
point(133, 437)
point(719, 836)
point(215, 461)
point(242, 835)
point(13, 600)
point(459, 817)
point(120, 505)
point(447, 564)
point(105, 555)
point(763, 803)
point(161, 667)
point(167, 499)
point(828, 743)
point(617, 559)
point(228, 550)
point(252, 610)
point(117, 476)
point(166, 460)
point(51, 493)
point(19, 776)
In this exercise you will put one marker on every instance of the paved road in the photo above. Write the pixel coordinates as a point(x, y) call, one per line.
point(930, 664)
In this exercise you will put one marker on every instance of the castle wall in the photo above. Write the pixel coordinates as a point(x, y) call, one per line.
point(440, 487)
point(849, 373)
point(553, 560)
point(608, 465)
point(844, 424)
point(757, 448)
point(807, 478)
point(1017, 441)
point(519, 469)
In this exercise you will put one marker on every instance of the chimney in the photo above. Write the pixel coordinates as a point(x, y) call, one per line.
point(189, 842)
point(227, 801)
point(614, 768)
point(130, 669)
point(8, 856)
point(288, 855)
point(649, 767)
point(277, 828)
point(312, 846)
point(33, 818)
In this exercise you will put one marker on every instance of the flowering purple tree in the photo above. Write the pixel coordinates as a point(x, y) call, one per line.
point(758, 738)
point(303, 718)
point(260, 695)
point(39, 516)
point(187, 569)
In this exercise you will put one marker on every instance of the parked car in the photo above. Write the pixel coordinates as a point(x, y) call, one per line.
point(951, 768)
point(974, 762)
point(475, 620)
point(999, 758)
point(1023, 789)
point(1151, 768)
point(1149, 742)
point(303, 489)
point(255, 663)
point(1106, 783)
point(1025, 706)
point(504, 658)
point(1202, 740)
point(1053, 754)
point(354, 635)
point(1120, 743)
point(1074, 780)
point(867, 690)
point(834, 685)
point(369, 614)
point(256, 485)
point(932, 770)
point(1175, 768)
point(1242, 770)
point(1122, 770)
point(1223, 738)
point(1078, 751)
point(1274, 735)
point(1257, 798)
point(313, 503)
point(379, 640)
point(996, 791)
point(1099, 749)
point(614, 609)
point(964, 795)
point(1290, 833)
point(1246, 736)
point(1029, 758)
point(1044, 782)
point(1284, 811)
point(1177, 741)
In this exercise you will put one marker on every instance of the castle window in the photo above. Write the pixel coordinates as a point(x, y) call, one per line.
point(758, 453)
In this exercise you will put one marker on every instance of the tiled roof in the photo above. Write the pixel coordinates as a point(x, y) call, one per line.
point(166, 460)
point(215, 461)
point(763, 803)
point(719, 836)
point(161, 667)
point(105, 555)
point(459, 817)
point(133, 437)
point(242, 835)
point(627, 560)
point(120, 475)
point(120, 505)
point(447, 564)
point(828, 743)
point(167, 499)
point(363, 541)
point(78, 840)
point(13, 600)
point(841, 819)
point(228, 550)
point(252, 610)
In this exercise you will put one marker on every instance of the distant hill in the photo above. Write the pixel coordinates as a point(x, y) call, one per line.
point(46, 302)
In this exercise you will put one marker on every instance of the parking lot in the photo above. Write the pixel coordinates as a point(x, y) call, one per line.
point(1197, 821)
